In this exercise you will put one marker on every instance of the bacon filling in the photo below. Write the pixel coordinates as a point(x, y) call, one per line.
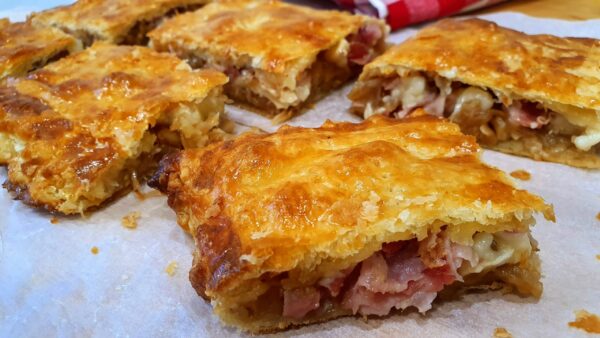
point(489, 116)
point(406, 274)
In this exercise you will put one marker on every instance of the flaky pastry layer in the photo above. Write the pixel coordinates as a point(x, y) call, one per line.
point(74, 132)
point(114, 21)
point(24, 48)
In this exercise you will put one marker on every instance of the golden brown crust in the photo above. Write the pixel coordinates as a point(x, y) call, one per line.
point(272, 40)
point(245, 28)
point(305, 200)
point(24, 47)
point(109, 20)
point(559, 73)
point(74, 131)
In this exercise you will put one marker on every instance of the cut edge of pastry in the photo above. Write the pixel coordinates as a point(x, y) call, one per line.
point(514, 267)
point(506, 122)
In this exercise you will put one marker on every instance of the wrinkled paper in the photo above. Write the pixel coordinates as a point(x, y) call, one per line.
point(51, 284)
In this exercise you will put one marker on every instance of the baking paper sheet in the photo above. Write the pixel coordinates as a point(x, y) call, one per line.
point(52, 285)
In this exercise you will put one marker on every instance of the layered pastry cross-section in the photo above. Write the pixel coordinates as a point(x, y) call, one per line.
point(305, 225)
point(279, 57)
point(24, 48)
point(529, 95)
point(82, 129)
point(113, 21)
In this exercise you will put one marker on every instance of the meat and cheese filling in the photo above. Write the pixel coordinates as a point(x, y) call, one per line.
point(497, 120)
point(83, 129)
point(24, 48)
point(529, 95)
point(305, 225)
point(278, 56)
point(114, 21)
point(411, 273)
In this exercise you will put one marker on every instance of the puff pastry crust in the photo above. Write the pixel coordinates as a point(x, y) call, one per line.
point(114, 21)
point(278, 217)
point(530, 95)
point(278, 56)
point(74, 132)
point(24, 47)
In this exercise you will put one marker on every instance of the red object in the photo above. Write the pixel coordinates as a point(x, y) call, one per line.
point(401, 13)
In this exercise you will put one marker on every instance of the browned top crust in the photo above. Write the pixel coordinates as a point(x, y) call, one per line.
point(108, 20)
point(561, 73)
point(24, 47)
point(269, 35)
point(307, 199)
point(72, 123)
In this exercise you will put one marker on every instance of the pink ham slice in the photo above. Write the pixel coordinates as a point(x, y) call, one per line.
point(299, 302)
point(527, 114)
point(394, 277)
point(335, 283)
point(399, 280)
point(362, 43)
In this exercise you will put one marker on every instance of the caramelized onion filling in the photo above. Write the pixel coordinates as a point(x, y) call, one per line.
point(490, 116)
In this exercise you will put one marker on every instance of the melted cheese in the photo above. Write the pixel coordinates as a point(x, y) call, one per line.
point(586, 141)
point(497, 249)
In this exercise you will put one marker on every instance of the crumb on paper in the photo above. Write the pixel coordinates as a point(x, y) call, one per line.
point(171, 268)
point(501, 332)
point(598, 216)
point(521, 175)
point(54, 220)
point(281, 117)
point(95, 250)
point(598, 257)
point(153, 193)
point(130, 220)
point(586, 321)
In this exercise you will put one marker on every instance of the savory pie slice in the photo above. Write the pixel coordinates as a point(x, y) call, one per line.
point(84, 128)
point(279, 57)
point(114, 21)
point(24, 48)
point(530, 95)
point(305, 225)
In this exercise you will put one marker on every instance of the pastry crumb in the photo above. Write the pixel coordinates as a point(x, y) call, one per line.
point(598, 216)
point(521, 175)
point(171, 268)
point(95, 250)
point(130, 220)
point(598, 257)
point(54, 220)
point(501, 332)
point(586, 321)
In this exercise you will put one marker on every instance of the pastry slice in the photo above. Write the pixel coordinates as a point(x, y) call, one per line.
point(279, 57)
point(114, 21)
point(24, 48)
point(305, 225)
point(531, 95)
point(83, 129)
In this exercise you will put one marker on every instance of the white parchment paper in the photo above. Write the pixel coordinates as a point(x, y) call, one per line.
point(51, 285)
